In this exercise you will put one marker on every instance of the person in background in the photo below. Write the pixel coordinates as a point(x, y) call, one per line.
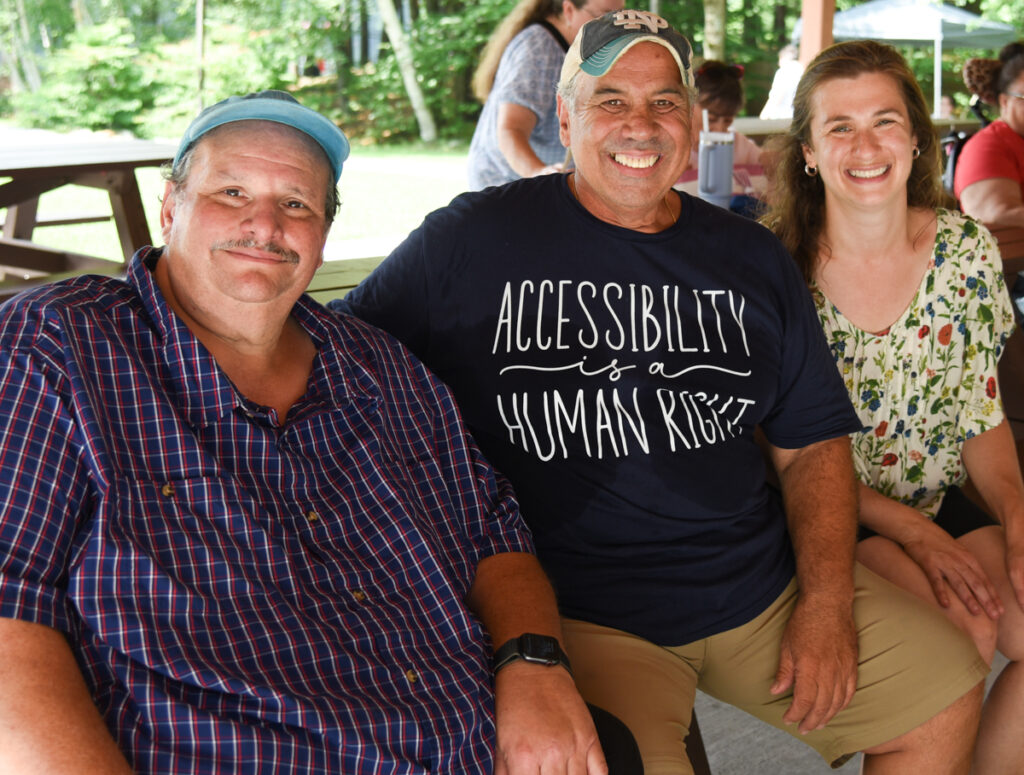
point(720, 93)
point(517, 133)
point(989, 175)
point(947, 108)
point(780, 97)
point(614, 346)
point(913, 304)
point(241, 534)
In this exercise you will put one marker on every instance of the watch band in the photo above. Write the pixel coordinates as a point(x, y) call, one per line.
point(530, 647)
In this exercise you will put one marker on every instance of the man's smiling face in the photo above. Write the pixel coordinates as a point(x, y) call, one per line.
point(629, 131)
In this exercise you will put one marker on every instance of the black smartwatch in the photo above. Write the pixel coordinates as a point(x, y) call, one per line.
point(541, 649)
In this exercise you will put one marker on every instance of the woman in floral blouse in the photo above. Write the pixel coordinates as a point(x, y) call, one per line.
point(913, 303)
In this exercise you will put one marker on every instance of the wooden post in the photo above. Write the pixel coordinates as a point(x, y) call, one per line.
point(817, 27)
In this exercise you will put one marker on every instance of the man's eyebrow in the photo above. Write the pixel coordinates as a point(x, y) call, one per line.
point(608, 90)
point(602, 90)
point(226, 176)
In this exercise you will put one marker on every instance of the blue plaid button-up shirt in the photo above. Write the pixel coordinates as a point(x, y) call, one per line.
point(245, 595)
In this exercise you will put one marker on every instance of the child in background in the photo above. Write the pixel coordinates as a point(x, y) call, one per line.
point(720, 93)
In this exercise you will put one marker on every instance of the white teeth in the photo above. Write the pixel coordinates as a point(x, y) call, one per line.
point(869, 173)
point(636, 162)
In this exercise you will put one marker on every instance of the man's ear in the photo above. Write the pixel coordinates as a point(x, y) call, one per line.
point(563, 121)
point(167, 208)
point(327, 232)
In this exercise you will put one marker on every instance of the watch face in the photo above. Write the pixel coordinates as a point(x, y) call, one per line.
point(539, 648)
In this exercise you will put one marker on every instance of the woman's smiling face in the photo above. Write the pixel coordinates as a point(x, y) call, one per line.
point(862, 142)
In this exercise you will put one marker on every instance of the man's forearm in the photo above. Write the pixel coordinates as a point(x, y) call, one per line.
point(511, 595)
point(543, 724)
point(820, 493)
point(48, 722)
point(818, 653)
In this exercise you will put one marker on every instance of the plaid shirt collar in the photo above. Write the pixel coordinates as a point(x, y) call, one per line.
point(205, 392)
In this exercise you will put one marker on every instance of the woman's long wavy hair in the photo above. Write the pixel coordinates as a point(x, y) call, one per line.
point(525, 13)
point(797, 204)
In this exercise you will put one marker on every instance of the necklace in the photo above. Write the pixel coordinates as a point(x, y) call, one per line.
point(672, 205)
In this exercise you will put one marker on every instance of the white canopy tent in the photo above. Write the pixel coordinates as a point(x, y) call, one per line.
point(919, 23)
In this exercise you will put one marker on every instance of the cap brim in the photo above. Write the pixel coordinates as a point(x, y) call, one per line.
point(601, 61)
point(328, 136)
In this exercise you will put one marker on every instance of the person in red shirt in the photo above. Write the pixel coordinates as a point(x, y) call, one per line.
point(989, 177)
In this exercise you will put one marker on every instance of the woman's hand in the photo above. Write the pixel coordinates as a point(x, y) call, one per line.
point(948, 565)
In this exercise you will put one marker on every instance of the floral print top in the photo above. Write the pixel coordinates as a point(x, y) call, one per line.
point(929, 382)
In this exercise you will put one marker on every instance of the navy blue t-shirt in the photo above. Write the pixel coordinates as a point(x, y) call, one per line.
point(616, 378)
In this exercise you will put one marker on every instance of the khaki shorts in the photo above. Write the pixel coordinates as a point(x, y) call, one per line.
point(912, 663)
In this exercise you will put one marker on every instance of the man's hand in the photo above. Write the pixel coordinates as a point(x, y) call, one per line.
point(818, 662)
point(544, 727)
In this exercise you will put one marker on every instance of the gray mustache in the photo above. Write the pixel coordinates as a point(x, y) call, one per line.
point(268, 247)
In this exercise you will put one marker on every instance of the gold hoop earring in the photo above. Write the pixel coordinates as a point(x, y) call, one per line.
point(809, 171)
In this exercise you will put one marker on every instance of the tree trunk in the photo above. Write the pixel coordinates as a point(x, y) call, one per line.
point(714, 29)
point(24, 71)
point(81, 13)
point(779, 25)
point(753, 31)
point(201, 54)
point(403, 54)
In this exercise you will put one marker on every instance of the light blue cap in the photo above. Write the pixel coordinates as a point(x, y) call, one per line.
point(270, 105)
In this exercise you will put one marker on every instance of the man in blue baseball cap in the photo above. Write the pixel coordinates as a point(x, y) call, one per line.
point(241, 535)
point(616, 347)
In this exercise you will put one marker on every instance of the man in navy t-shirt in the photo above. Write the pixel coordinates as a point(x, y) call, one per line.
point(613, 345)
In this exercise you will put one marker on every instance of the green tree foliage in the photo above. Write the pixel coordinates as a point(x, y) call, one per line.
point(133, 64)
point(96, 82)
point(445, 47)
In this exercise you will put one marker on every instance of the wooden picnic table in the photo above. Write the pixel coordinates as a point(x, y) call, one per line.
point(37, 167)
